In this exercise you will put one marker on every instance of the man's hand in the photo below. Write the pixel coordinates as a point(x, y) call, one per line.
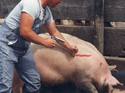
point(50, 43)
point(53, 31)
point(73, 50)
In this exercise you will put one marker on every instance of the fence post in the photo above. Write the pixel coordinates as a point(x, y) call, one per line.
point(99, 24)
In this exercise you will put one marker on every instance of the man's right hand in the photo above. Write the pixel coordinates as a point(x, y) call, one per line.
point(72, 49)
point(50, 43)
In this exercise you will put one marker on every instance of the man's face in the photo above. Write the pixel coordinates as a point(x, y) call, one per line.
point(53, 3)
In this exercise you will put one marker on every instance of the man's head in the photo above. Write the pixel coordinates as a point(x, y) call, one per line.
point(53, 3)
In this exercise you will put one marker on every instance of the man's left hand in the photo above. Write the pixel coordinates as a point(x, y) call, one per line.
point(73, 50)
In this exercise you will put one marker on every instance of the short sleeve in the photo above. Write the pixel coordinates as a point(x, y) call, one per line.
point(30, 7)
point(49, 16)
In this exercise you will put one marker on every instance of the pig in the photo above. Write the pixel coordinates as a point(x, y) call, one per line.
point(87, 70)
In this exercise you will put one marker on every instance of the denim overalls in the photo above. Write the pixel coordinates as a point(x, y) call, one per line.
point(14, 52)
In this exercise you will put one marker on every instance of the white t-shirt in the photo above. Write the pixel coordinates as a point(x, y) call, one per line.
point(32, 7)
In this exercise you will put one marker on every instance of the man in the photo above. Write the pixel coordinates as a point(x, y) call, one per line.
point(20, 28)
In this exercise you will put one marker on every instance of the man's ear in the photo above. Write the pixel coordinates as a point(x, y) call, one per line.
point(48, 1)
point(45, 2)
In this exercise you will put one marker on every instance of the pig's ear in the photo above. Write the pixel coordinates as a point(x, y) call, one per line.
point(111, 80)
point(113, 68)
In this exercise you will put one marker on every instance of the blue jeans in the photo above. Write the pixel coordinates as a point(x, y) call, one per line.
point(22, 60)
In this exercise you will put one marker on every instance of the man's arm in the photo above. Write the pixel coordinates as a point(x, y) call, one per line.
point(53, 31)
point(27, 33)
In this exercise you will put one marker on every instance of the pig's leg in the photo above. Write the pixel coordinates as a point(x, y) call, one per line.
point(87, 87)
point(105, 89)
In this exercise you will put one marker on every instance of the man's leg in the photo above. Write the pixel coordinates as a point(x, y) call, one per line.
point(27, 71)
point(7, 60)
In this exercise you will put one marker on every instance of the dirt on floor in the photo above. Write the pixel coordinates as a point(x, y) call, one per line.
point(120, 89)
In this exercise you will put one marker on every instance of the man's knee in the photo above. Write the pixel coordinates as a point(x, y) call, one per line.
point(32, 84)
point(32, 88)
point(6, 76)
point(5, 86)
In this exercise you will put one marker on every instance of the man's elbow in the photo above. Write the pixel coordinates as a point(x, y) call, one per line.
point(24, 32)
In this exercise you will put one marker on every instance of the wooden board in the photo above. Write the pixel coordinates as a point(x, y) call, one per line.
point(118, 61)
point(120, 69)
point(6, 6)
point(99, 24)
point(114, 44)
point(83, 32)
point(114, 10)
point(70, 9)
point(82, 9)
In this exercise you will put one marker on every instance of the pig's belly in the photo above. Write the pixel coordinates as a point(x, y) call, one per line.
point(54, 72)
point(50, 76)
